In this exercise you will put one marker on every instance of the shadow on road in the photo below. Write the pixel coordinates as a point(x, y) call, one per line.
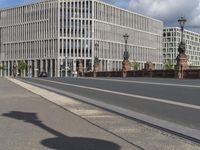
point(61, 141)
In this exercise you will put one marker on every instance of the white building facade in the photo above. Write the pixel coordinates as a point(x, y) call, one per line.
point(171, 40)
point(53, 35)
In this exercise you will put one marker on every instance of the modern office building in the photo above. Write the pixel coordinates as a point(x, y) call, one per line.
point(53, 35)
point(171, 40)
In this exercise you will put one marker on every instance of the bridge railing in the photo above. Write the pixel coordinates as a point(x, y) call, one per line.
point(188, 74)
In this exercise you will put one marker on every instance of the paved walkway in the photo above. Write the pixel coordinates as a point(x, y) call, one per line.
point(28, 121)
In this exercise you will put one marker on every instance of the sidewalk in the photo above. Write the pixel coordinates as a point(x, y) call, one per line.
point(29, 121)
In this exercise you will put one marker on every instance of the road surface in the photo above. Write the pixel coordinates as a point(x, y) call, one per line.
point(176, 101)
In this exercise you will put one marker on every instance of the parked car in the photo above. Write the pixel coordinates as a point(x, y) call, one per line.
point(43, 74)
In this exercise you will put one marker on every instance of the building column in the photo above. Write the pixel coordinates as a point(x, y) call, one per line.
point(35, 68)
point(46, 66)
point(66, 67)
point(28, 68)
point(118, 66)
point(74, 65)
point(8, 68)
point(41, 65)
point(85, 65)
point(57, 67)
point(5, 68)
point(92, 64)
point(51, 68)
point(31, 68)
point(16, 62)
point(101, 65)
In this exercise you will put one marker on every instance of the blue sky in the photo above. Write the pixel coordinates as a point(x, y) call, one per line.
point(8, 3)
point(166, 10)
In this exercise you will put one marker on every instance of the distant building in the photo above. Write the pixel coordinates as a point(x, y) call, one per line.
point(53, 35)
point(171, 39)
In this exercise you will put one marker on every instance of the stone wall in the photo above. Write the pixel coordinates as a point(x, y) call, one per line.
point(187, 74)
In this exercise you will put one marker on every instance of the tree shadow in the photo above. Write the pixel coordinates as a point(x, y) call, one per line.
point(61, 141)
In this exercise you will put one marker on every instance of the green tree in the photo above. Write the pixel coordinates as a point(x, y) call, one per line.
point(2, 67)
point(135, 65)
point(169, 65)
point(22, 66)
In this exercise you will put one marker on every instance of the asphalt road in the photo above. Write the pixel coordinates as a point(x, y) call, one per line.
point(176, 101)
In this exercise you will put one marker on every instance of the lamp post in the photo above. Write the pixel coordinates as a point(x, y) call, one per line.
point(125, 63)
point(182, 46)
point(182, 22)
point(126, 54)
point(182, 59)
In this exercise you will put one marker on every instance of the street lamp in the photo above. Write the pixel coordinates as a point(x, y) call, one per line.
point(182, 59)
point(182, 45)
point(125, 63)
point(182, 21)
point(126, 54)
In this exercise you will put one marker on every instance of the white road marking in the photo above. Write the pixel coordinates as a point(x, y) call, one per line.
point(143, 82)
point(129, 95)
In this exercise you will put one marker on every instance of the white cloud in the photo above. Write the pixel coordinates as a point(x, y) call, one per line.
point(169, 10)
